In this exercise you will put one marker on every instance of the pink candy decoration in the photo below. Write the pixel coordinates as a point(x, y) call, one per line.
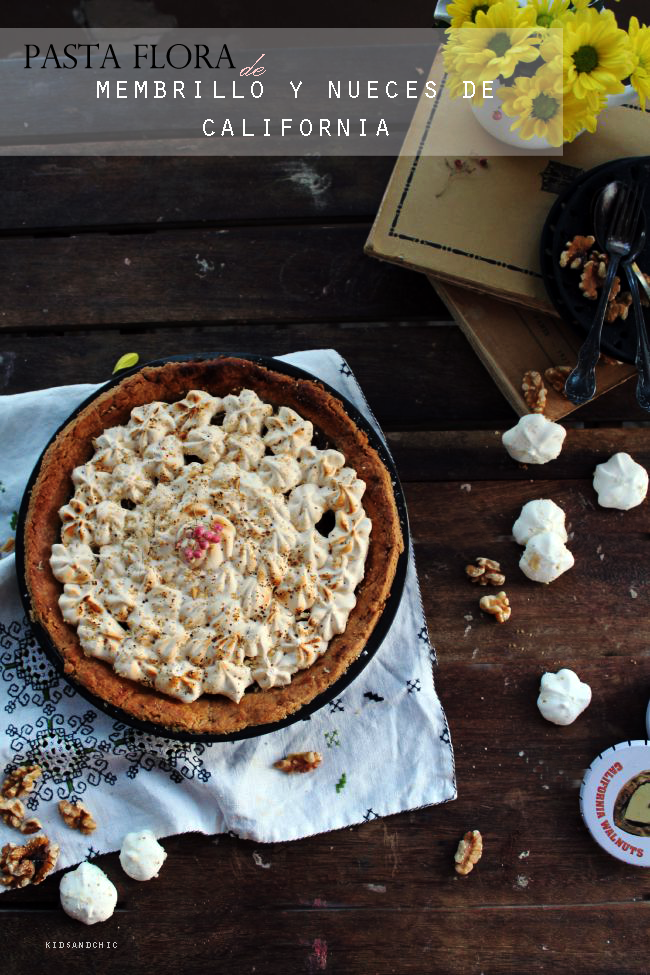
point(199, 539)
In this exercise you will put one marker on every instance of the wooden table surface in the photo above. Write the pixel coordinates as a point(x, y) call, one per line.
point(99, 257)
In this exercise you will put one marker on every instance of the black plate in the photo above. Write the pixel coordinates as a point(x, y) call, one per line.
point(571, 215)
point(374, 641)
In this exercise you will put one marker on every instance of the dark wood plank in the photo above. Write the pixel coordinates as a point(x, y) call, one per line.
point(409, 372)
point(600, 606)
point(45, 193)
point(258, 274)
point(542, 885)
point(446, 942)
point(401, 393)
point(479, 455)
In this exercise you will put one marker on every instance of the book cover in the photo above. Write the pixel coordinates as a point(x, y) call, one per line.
point(477, 221)
point(511, 340)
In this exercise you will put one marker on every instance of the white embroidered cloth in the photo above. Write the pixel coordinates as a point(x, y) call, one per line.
point(384, 741)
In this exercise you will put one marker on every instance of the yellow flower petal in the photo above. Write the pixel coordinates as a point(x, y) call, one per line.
point(126, 361)
point(464, 11)
point(597, 54)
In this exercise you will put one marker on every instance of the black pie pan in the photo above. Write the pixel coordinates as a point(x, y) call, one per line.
point(571, 214)
point(375, 639)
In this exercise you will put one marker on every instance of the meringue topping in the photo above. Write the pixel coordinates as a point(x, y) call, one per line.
point(191, 554)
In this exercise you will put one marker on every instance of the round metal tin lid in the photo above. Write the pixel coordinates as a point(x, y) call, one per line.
point(615, 801)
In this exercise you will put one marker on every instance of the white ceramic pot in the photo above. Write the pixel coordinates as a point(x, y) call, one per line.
point(440, 13)
point(491, 117)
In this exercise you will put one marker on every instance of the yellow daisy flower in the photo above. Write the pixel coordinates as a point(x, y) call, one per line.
point(536, 106)
point(540, 108)
point(551, 47)
point(548, 12)
point(580, 114)
point(465, 11)
point(493, 46)
point(640, 44)
point(596, 54)
point(505, 13)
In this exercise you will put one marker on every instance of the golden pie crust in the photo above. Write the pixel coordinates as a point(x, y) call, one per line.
point(209, 714)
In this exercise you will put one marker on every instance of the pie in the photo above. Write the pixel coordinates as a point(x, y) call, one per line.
point(210, 544)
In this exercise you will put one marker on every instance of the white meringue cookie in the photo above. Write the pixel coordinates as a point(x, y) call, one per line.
point(87, 894)
point(562, 697)
point(141, 855)
point(545, 558)
point(620, 483)
point(538, 516)
point(534, 440)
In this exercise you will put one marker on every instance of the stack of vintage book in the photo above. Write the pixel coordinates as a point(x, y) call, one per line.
point(473, 225)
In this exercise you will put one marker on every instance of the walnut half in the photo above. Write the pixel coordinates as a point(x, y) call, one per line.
point(556, 377)
point(469, 852)
point(76, 816)
point(299, 762)
point(21, 781)
point(576, 251)
point(31, 825)
point(593, 275)
point(12, 812)
point(618, 307)
point(498, 606)
point(29, 864)
point(486, 572)
point(534, 391)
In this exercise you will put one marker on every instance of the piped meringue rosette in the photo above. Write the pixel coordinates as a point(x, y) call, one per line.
point(194, 557)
